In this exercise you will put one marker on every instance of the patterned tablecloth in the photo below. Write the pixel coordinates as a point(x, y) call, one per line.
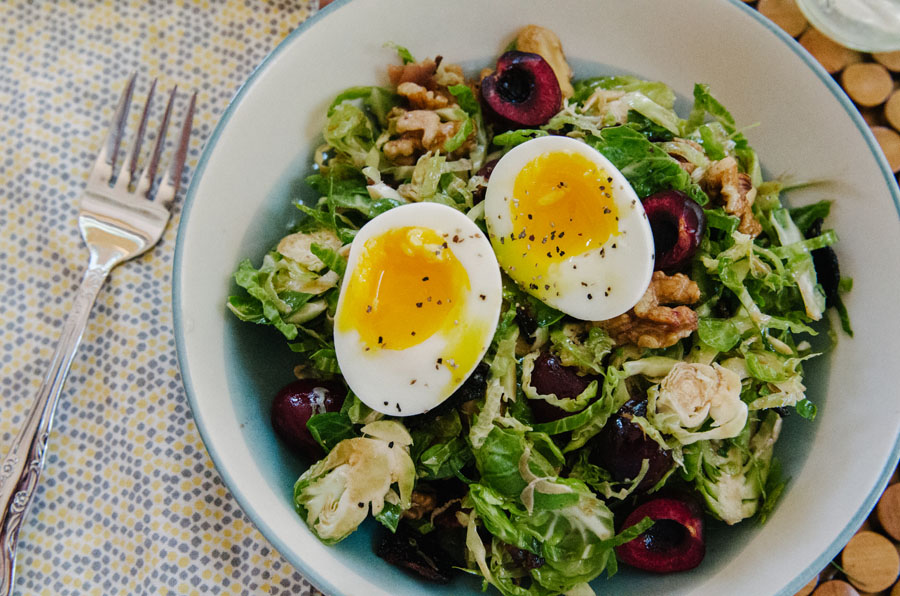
point(129, 502)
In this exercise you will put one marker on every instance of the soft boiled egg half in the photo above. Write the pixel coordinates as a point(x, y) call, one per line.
point(418, 307)
point(568, 228)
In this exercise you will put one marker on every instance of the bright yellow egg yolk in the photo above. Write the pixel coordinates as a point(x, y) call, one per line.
point(562, 206)
point(407, 285)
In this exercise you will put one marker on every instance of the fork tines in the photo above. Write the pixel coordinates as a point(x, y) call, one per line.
point(166, 188)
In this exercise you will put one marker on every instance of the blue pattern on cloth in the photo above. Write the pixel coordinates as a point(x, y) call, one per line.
point(129, 501)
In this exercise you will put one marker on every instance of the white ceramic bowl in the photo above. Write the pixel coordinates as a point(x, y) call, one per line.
point(239, 204)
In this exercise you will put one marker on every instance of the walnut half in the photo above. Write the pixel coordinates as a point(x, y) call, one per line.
point(734, 190)
point(653, 324)
point(422, 504)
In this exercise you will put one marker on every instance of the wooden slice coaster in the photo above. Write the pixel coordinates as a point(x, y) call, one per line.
point(888, 511)
point(809, 587)
point(835, 588)
point(832, 56)
point(892, 113)
point(891, 60)
point(867, 83)
point(870, 561)
point(889, 140)
point(785, 14)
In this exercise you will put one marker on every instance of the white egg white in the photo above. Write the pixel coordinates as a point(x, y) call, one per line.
point(413, 380)
point(602, 282)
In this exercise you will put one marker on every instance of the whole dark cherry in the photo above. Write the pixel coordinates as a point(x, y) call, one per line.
point(550, 376)
point(295, 403)
point(621, 448)
point(523, 90)
point(678, 225)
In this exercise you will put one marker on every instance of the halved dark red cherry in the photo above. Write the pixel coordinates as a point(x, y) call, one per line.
point(673, 543)
point(621, 448)
point(295, 403)
point(523, 91)
point(550, 376)
point(678, 224)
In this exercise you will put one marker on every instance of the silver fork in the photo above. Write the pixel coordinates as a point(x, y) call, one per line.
point(119, 218)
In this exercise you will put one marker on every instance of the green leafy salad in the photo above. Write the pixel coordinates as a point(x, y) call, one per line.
point(560, 444)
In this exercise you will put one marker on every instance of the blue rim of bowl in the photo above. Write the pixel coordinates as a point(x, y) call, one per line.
point(308, 571)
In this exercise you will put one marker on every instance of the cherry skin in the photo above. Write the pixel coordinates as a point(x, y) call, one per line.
point(296, 403)
point(678, 225)
point(523, 91)
point(674, 543)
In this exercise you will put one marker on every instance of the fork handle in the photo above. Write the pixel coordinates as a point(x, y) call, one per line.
point(22, 467)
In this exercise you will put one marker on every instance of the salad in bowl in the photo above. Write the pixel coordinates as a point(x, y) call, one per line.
point(543, 326)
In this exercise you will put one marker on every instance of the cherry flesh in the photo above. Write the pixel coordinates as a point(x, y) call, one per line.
point(523, 91)
point(674, 543)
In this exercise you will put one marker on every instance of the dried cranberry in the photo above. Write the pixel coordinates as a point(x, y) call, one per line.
point(524, 559)
point(485, 172)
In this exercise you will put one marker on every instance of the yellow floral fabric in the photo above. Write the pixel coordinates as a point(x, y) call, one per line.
point(129, 500)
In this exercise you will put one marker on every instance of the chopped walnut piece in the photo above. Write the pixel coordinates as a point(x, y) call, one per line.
point(422, 504)
point(683, 163)
point(545, 43)
point(666, 289)
point(421, 98)
point(679, 150)
point(448, 75)
point(401, 151)
point(652, 324)
point(421, 131)
point(421, 120)
point(734, 191)
point(420, 73)
point(417, 127)
point(434, 132)
point(431, 74)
